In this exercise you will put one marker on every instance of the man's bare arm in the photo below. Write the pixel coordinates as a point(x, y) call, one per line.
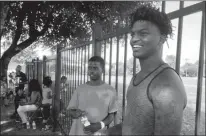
point(108, 119)
point(168, 106)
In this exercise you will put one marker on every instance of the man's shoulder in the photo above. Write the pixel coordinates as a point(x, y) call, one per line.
point(109, 87)
point(167, 76)
point(81, 87)
point(168, 83)
point(103, 86)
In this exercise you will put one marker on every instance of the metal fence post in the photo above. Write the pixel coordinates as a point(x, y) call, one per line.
point(96, 37)
point(27, 70)
point(44, 66)
point(33, 69)
point(39, 71)
point(200, 77)
point(179, 41)
point(56, 99)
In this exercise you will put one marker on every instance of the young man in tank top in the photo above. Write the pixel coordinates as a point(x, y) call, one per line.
point(156, 96)
point(96, 99)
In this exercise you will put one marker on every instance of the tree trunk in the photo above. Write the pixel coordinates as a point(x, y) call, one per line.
point(12, 51)
point(4, 61)
point(15, 48)
point(3, 13)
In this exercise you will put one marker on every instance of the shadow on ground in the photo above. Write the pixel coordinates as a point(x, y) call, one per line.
point(10, 126)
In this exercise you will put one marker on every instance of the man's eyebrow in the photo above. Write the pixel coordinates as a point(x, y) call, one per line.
point(144, 29)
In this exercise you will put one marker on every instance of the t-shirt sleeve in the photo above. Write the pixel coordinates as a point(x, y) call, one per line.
point(113, 106)
point(74, 101)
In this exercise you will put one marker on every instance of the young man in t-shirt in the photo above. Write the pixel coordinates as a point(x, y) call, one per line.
point(96, 99)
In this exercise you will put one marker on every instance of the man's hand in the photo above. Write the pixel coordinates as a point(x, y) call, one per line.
point(76, 113)
point(94, 127)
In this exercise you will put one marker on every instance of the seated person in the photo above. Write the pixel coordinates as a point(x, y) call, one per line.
point(20, 96)
point(47, 99)
point(34, 102)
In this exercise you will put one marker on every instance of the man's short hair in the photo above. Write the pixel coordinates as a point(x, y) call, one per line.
point(150, 13)
point(98, 59)
point(63, 77)
point(47, 81)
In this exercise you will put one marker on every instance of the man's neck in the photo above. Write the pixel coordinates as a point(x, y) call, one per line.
point(150, 63)
point(96, 82)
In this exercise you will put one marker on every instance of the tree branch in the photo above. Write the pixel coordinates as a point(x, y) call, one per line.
point(31, 20)
point(13, 51)
point(4, 8)
point(19, 24)
point(46, 26)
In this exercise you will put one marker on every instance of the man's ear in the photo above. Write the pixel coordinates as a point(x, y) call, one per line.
point(162, 39)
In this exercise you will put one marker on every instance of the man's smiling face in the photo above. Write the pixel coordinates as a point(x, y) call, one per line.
point(145, 39)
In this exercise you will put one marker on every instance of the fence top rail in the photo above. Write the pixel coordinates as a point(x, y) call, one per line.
point(187, 10)
point(78, 46)
point(172, 15)
point(33, 61)
point(50, 59)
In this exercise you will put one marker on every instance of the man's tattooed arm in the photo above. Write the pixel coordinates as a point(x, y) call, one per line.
point(168, 109)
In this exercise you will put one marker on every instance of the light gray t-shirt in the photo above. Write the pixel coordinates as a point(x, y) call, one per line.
point(97, 101)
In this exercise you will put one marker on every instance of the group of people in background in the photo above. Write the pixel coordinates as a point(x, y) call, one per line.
point(28, 96)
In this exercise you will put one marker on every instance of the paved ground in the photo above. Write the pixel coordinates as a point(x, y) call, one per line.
point(9, 126)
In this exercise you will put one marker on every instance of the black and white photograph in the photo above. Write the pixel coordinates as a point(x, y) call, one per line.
point(102, 68)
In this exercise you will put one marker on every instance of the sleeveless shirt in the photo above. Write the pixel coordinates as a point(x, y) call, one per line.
point(139, 116)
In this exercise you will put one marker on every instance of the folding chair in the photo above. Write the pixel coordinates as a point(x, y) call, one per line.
point(32, 115)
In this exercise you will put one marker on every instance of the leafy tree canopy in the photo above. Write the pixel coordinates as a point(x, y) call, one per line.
point(49, 22)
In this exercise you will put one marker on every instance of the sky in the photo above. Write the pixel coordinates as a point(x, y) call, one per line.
point(190, 35)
